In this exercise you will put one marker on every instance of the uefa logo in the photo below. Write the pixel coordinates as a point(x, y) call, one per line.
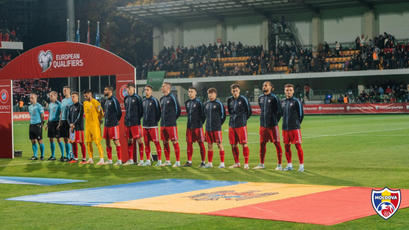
point(4, 96)
point(123, 91)
point(45, 58)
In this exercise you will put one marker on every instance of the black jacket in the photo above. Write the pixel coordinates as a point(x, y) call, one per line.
point(271, 112)
point(76, 116)
point(151, 112)
point(133, 110)
point(239, 110)
point(215, 115)
point(113, 112)
point(195, 115)
point(293, 113)
point(170, 110)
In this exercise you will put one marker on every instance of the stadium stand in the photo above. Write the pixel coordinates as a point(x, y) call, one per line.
point(22, 90)
point(381, 52)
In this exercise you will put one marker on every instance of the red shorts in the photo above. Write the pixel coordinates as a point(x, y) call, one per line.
point(111, 132)
point(169, 133)
point(194, 135)
point(79, 136)
point(292, 136)
point(133, 132)
point(270, 134)
point(150, 134)
point(214, 137)
point(238, 135)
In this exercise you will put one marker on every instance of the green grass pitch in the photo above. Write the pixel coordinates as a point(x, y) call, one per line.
point(354, 150)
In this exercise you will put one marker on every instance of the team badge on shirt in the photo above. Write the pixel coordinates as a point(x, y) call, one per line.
point(386, 202)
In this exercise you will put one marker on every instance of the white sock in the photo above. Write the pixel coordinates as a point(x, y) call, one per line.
point(159, 161)
point(290, 164)
point(301, 165)
point(190, 162)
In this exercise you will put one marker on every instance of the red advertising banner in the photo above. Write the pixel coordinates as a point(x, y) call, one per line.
point(6, 124)
point(121, 93)
point(366, 108)
point(308, 109)
point(346, 108)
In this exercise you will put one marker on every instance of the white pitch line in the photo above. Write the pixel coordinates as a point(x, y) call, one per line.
point(349, 133)
point(346, 134)
point(28, 163)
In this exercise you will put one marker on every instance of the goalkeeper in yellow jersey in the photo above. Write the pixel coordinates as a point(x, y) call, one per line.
point(93, 116)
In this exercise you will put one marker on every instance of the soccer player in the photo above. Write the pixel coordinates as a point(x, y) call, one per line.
point(293, 115)
point(113, 114)
point(54, 111)
point(194, 130)
point(240, 111)
point(64, 126)
point(36, 126)
point(133, 128)
point(151, 117)
point(270, 115)
point(93, 118)
point(76, 121)
point(168, 130)
point(215, 117)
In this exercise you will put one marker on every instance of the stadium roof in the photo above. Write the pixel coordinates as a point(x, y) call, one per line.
point(182, 10)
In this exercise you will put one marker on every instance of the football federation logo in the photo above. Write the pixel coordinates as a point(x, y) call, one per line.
point(386, 202)
point(4, 96)
point(45, 58)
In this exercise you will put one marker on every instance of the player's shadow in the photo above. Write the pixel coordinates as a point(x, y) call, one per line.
point(35, 166)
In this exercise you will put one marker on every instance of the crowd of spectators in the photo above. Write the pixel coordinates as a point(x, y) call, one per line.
point(384, 93)
point(381, 52)
point(22, 90)
point(390, 92)
point(5, 57)
point(8, 35)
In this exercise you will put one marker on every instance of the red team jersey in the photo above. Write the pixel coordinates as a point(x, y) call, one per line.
point(195, 135)
point(151, 134)
point(111, 132)
point(292, 136)
point(238, 135)
point(270, 134)
point(134, 132)
point(169, 133)
point(214, 136)
point(78, 136)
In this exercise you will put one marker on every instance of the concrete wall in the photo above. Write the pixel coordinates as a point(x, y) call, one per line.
point(244, 29)
point(394, 19)
point(342, 25)
point(198, 33)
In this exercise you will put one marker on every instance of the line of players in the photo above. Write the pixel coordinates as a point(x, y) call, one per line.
point(66, 123)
